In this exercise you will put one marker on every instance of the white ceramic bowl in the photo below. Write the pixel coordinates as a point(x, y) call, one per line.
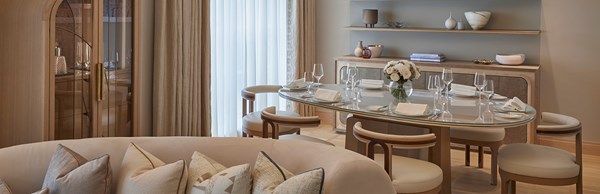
point(376, 50)
point(478, 19)
point(516, 59)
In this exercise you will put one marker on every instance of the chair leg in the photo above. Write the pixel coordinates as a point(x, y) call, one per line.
point(244, 134)
point(480, 157)
point(494, 165)
point(513, 187)
point(467, 155)
point(298, 133)
point(580, 184)
point(504, 184)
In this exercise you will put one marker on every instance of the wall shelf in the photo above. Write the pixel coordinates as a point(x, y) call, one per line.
point(441, 30)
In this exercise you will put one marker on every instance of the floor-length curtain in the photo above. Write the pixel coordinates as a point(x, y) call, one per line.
point(303, 26)
point(181, 101)
point(249, 40)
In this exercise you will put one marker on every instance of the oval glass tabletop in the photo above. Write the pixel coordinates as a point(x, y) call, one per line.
point(378, 104)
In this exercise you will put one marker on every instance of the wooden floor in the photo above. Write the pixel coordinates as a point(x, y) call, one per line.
point(468, 180)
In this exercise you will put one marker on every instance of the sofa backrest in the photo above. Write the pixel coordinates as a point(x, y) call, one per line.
point(23, 167)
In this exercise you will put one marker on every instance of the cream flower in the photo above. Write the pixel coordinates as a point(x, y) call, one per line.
point(395, 77)
point(389, 70)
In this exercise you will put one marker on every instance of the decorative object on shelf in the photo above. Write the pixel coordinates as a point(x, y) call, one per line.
point(61, 62)
point(460, 25)
point(370, 17)
point(483, 61)
point(478, 19)
point(506, 59)
point(450, 22)
point(402, 73)
point(376, 50)
point(428, 57)
point(358, 49)
point(366, 53)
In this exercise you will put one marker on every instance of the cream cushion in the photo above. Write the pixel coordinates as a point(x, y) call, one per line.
point(208, 176)
point(413, 176)
point(4, 189)
point(478, 133)
point(142, 172)
point(304, 138)
point(43, 191)
point(537, 161)
point(70, 172)
point(254, 122)
point(270, 178)
point(552, 122)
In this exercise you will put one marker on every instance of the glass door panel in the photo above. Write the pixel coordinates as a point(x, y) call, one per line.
point(72, 57)
point(118, 57)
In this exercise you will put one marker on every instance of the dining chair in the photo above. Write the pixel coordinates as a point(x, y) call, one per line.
point(273, 122)
point(544, 165)
point(481, 137)
point(413, 175)
point(252, 123)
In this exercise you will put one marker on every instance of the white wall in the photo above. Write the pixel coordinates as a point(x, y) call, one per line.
point(569, 56)
point(565, 49)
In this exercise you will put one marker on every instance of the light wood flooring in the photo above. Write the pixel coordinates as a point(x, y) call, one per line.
point(469, 180)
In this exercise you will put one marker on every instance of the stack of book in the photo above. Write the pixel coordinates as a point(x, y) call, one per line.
point(427, 57)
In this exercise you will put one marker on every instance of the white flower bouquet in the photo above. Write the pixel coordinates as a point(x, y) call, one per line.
point(401, 72)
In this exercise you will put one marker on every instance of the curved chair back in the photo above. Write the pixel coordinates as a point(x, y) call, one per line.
point(557, 124)
point(388, 141)
point(270, 117)
point(249, 95)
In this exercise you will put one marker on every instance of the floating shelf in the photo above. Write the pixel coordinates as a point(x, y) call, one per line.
point(441, 30)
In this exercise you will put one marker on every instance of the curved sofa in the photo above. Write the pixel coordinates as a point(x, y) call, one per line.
point(23, 167)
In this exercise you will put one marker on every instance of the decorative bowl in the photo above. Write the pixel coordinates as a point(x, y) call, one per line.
point(505, 59)
point(478, 19)
point(376, 50)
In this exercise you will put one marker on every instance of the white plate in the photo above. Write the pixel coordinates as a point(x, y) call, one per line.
point(510, 115)
point(469, 95)
point(294, 89)
point(425, 114)
point(376, 108)
point(370, 87)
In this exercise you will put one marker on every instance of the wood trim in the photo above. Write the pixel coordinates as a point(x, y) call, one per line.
point(443, 30)
point(136, 83)
point(589, 147)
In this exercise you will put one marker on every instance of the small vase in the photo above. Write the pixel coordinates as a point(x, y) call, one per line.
point(366, 53)
point(358, 50)
point(401, 91)
point(460, 25)
point(450, 22)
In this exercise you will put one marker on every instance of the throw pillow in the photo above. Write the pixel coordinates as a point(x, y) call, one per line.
point(207, 176)
point(70, 172)
point(43, 191)
point(270, 178)
point(4, 189)
point(141, 172)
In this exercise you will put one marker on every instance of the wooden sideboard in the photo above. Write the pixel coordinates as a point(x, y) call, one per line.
point(520, 81)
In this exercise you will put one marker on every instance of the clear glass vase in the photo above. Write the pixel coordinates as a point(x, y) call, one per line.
point(401, 91)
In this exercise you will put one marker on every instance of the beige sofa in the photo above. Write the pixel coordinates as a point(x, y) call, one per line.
point(23, 167)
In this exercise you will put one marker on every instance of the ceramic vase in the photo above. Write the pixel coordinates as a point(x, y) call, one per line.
point(478, 19)
point(460, 25)
point(358, 50)
point(450, 22)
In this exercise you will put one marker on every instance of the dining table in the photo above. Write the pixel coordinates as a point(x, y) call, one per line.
point(378, 105)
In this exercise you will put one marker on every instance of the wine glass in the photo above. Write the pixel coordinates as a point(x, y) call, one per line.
point(352, 71)
point(433, 85)
point(488, 93)
point(355, 82)
point(79, 55)
point(345, 78)
point(447, 78)
point(309, 83)
point(479, 82)
point(318, 73)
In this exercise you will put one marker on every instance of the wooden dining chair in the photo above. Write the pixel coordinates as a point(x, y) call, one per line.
point(252, 123)
point(544, 165)
point(413, 175)
point(273, 122)
point(481, 137)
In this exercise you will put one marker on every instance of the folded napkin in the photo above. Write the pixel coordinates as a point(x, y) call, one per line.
point(464, 90)
point(411, 109)
point(515, 104)
point(371, 83)
point(327, 95)
point(296, 84)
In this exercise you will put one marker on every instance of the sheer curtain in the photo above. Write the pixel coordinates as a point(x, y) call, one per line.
point(249, 47)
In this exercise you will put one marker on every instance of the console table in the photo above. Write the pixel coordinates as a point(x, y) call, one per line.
point(521, 81)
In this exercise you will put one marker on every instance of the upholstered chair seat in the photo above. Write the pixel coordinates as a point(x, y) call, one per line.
point(544, 165)
point(481, 137)
point(412, 175)
point(253, 124)
point(478, 133)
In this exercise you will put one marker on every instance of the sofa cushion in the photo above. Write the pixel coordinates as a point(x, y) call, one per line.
point(142, 172)
point(4, 189)
point(43, 191)
point(69, 172)
point(270, 178)
point(208, 176)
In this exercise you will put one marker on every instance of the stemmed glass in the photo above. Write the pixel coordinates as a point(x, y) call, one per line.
point(79, 54)
point(309, 83)
point(354, 81)
point(434, 86)
point(488, 93)
point(447, 78)
point(344, 77)
point(479, 82)
point(318, 73)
